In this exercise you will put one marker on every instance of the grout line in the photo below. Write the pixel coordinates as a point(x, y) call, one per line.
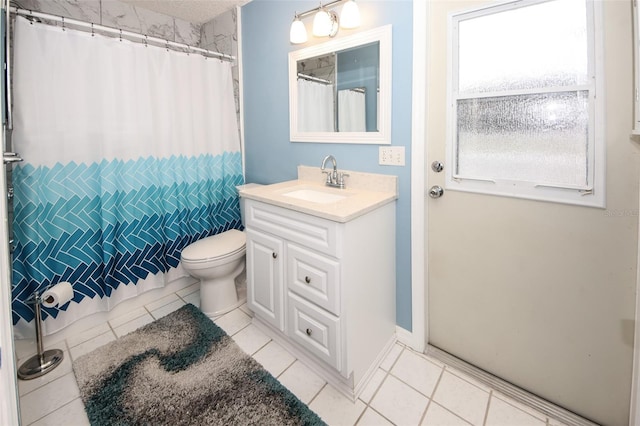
point(486, 411)
point(378, 413)
point(318, 393)
point(433, 392)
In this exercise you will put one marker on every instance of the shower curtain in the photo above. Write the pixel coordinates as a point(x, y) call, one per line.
point(131, 153)
point(315, 106)
point(351, 111)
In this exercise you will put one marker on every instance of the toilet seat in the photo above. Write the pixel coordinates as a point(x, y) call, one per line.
point(215, 247)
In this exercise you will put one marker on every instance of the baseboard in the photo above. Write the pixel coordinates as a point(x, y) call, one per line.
point(522, 396)
point(410, 339)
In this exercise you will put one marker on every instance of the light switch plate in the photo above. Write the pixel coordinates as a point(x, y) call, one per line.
point(391, 155)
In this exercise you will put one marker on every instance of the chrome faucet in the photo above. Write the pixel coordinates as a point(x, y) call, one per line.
point(334, 178)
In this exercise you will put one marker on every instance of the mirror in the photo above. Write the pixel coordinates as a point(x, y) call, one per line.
point(340, 91)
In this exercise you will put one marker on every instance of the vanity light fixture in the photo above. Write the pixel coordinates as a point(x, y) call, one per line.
point(298, 33)
point(325, 22)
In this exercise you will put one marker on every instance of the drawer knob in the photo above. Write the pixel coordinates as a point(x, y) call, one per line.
point(307, 280)
point(274, 255)
point(309, 331)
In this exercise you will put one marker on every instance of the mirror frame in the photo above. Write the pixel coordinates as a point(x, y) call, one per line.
point(383, 135)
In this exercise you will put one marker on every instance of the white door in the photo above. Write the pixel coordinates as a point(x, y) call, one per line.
point(538, 293)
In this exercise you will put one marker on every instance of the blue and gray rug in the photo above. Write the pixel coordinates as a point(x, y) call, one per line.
point(183, 370)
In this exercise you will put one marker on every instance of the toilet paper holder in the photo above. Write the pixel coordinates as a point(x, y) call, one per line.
point(44, 361)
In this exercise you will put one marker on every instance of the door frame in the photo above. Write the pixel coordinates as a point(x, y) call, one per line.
point(418, 337)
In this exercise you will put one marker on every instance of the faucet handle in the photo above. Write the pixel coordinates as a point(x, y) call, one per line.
point(341, 176)
point(328, 173)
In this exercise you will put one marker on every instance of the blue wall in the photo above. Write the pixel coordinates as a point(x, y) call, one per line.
point(271, 157)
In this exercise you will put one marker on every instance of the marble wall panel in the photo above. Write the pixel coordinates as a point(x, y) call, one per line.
point(113, 13)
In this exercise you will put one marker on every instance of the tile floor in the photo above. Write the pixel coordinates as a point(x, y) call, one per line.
point(409, 388)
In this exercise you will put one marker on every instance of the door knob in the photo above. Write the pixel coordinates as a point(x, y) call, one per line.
point(436, 191)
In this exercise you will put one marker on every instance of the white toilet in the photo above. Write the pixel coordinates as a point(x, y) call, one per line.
point(217, 261)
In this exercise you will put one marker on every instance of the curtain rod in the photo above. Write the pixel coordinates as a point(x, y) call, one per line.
point(312, 78)
point(145, 38)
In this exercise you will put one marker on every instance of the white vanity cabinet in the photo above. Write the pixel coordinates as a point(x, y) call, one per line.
point(323, 289)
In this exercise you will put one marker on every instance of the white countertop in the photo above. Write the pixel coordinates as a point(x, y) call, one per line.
point(361, 196)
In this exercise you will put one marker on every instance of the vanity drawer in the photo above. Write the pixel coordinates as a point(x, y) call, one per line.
point(311, 231)
point(314, 277)
point(314, 329)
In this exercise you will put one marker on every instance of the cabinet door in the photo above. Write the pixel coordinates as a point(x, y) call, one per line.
point(264, 277)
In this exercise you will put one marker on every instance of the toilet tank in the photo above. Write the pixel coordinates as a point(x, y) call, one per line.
point(238, 188)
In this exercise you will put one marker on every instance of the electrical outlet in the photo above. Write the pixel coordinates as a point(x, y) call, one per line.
point(391, 155)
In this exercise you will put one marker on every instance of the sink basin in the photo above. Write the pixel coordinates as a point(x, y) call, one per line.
point(315, 196)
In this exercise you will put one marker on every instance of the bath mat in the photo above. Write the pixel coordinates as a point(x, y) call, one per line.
point(183, 369)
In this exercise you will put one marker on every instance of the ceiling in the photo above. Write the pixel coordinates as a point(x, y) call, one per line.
point(196, 11)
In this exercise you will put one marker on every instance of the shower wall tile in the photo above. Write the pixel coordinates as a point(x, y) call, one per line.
point(113, 13)
point(122, 15)
point(187, 32)
point(85, 10)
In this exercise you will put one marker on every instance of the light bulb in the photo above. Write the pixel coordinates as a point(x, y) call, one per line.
point(322, 23)
point(298, 33)
point(350, 15)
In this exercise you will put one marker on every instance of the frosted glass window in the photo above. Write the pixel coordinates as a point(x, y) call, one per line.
point(540, 138)
point(522, 101)
point(535, 46)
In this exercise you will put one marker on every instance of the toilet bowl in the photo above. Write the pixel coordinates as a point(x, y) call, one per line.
point(217, 261)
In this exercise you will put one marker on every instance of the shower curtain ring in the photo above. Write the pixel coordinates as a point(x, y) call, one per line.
point(31, 16)
point(93, 34)
point(167, 45)
point(145, 41)
point(63, 27)
point(120, 34)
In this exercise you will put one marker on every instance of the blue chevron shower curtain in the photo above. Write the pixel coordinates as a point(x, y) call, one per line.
point(131, 153)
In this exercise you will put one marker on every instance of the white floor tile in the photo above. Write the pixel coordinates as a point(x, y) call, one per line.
point(532, 411)
point(72, 414)
point(193, 298)
point(24, 348)
point(417, 372)
point(503, 414)
point(233, 321)
point(462, 398)
point(439, 416)
point(301, 381)
point(373, 385)
point(133, 325)
point(193, 288)
point(167, 309)
point(244, 308)
point(47, 399)
point(372, 418)
point(89, 334)
point(399, 402)
point(89, 345)
point(129, 316)
point(251, 339)
point(162, 302)
point(26, 386)
point(335, 409)
point(391, 357)
point(274, 358)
